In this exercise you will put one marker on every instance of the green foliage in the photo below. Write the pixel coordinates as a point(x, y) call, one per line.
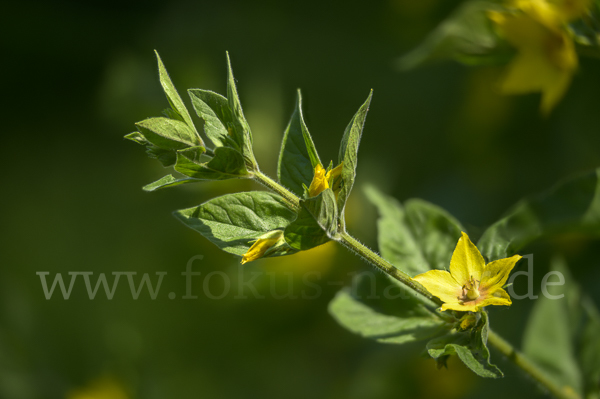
point(348, 154)
point(417, 237)
point(380, 309)
point(179, 111)
point(239, 128)
point(233, 221)
point(167, 181)
point(227, 163)
point(315, 224)
point(573, 206)
point(469, 346)
point(562, 336)
point(298, 156)
point(466, 36)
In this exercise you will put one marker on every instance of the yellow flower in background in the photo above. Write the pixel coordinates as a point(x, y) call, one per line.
point(546, 58)
point(471, 284)
point(323, 180)
point(262, 245)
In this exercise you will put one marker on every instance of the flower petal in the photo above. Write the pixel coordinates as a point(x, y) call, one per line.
point(496, 272)
point(466, 261)
point(440, 284)
point(460, 307)
point(498, 297)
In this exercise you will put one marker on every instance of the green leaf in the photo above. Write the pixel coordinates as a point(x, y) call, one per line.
point(214, 110)
point(417, 237)
point(298, 156)
point(226, 164)
point(349, 152)
point(233, 221)
point(379, 309)
point(167, 133)
point(466, 36)
point(174, 99)
point(315, 224)
point(570, 207)
point(471, 348)
point(589, 353)
point(164, 156)
point(548, 340)
point(240, 127)
point(137, 137)
point(168, 181)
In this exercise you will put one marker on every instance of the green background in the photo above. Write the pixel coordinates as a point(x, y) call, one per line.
point(77, 76)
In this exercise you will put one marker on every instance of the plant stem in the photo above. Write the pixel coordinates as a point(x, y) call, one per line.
point(374, 259)
point(371, 257)
point(265, 180)
point(526, 365)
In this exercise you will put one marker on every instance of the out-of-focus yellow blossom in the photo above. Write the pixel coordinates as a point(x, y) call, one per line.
point(546, 57)
point(262, 245)
point(323, 180)
point(102, 388)
point(471, 284)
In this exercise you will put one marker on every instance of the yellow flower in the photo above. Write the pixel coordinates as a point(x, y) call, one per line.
point(546, 58)
point(262, 245)
point(323, 180)
point(470, 284)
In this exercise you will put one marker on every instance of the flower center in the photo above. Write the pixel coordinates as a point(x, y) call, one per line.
point(470, 290)
point(473, 293)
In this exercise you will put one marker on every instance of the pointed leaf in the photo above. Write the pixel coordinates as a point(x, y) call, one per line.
point(240, 127)
point(174, 100)
point(298, 156)
point(167, 133)
point(168, 181)
point(214, 110)
point(233, 221)
point(226, 164)
point(349, 152)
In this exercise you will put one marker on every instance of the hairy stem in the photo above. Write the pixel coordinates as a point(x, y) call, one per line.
point(374, 259)
point(271, 184)
point(526, 365)
point(377, 261)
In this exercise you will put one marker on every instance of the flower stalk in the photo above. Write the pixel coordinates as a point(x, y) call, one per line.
point(377, 261)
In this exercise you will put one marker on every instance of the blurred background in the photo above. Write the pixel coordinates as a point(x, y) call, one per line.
point(78, 75)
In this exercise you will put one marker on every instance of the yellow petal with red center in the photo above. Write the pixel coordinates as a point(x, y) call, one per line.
point(440, 284)
point(466, 262)
point(496, 297)
point(496, 272)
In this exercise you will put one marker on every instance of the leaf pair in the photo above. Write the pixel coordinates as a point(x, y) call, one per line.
point(320, 217)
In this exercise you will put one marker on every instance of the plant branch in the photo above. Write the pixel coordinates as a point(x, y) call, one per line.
point(374, 259)
point(271, 184)
point(526, 365)
point(377, 261)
